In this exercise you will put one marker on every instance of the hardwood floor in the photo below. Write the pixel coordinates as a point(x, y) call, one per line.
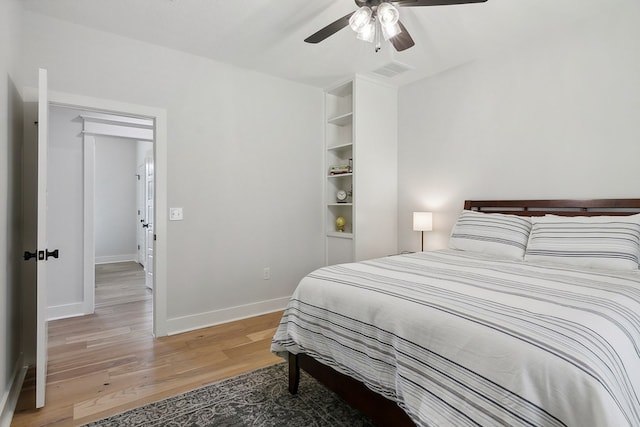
point(119, 283)
point(108, 362)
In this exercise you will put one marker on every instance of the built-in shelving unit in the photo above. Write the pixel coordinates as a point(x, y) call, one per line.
point(350, 114)
point(339, 152)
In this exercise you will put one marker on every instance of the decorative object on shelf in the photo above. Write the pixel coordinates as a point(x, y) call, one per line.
point(339, 170)
point(422, 221)
point(341, 196)
point(340, 223)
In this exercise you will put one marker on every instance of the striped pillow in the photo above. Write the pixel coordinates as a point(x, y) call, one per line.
point(491, 233)
point(607, 242)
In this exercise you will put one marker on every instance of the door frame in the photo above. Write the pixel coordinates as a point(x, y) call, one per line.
point(94, 125)
point(159, 115)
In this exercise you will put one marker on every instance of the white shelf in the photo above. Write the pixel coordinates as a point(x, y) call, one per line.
point(341, 120)
point(340, 204)
point(340, 235)
point(341, 147)
point(339, 175)
point(342, 91)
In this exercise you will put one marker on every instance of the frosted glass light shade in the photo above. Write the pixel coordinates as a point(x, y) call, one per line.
point(367, 33)
point(360, 18)
point(388, 14)
point(390, 30)
point(422, 221)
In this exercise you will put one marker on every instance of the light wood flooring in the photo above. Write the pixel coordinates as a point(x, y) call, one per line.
point(119, 283)
point(108, 362)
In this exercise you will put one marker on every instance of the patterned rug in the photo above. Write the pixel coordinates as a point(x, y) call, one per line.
point(258, 398)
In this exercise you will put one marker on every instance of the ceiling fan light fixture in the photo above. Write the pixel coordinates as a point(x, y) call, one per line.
point(360, 18)
point(386, 23)
point(387, 14)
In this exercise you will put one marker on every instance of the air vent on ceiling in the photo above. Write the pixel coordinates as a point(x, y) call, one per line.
point(392, 69)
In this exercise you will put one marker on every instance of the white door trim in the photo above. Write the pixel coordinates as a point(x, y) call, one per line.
point(160, 164)
point(89, 148)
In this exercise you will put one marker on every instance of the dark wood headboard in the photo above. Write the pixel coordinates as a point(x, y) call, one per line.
point(565, 207)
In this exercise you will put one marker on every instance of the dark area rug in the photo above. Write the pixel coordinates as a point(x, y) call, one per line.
point(258, 398)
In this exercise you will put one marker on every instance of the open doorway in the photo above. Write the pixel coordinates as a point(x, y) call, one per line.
point(123, 219)
point(95, 212)
point(160, 246)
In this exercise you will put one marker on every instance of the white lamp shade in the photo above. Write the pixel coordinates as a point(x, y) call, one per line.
point(422, 221)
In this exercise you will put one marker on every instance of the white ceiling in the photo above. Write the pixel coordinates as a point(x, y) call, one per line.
point(267, 35)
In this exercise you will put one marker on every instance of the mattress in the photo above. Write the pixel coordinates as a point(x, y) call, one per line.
point(458, 338)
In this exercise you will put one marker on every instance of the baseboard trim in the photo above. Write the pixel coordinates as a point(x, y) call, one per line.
point(203, 320)
point(10, 397)
point(67, 310)
point(110, 259)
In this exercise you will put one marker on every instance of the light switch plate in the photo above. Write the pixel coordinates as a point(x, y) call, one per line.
point(175, 214)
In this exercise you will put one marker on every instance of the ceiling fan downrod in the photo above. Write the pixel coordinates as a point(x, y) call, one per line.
point(377, 45)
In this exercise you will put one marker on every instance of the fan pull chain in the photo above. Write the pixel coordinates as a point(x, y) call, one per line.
point(377, 35)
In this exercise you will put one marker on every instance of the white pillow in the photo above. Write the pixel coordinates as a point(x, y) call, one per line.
point(491, 233)
point(607, 242)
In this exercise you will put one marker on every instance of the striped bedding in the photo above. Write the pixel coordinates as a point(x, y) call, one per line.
point(460, 339)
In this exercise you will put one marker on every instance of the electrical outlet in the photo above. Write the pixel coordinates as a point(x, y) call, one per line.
point(175, 214)
point(266, 273)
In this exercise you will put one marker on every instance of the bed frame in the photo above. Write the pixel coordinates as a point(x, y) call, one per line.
point(384, 412)
point(564, 207)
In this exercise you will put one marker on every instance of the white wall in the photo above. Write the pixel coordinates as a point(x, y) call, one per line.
point(244, 161)
point(10, 203)
point(558, 118)
point(65, 215)
point(115, 199)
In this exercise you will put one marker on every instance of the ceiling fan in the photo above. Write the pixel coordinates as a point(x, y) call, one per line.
point(374, 18)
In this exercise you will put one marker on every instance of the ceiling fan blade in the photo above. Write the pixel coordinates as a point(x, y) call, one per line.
point(414, 3)
point(402, 40)
point(329, 30)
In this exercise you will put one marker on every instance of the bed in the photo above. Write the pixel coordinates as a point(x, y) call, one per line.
point(530, 317)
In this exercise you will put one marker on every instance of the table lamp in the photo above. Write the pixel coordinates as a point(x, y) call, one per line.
point(422, 221)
